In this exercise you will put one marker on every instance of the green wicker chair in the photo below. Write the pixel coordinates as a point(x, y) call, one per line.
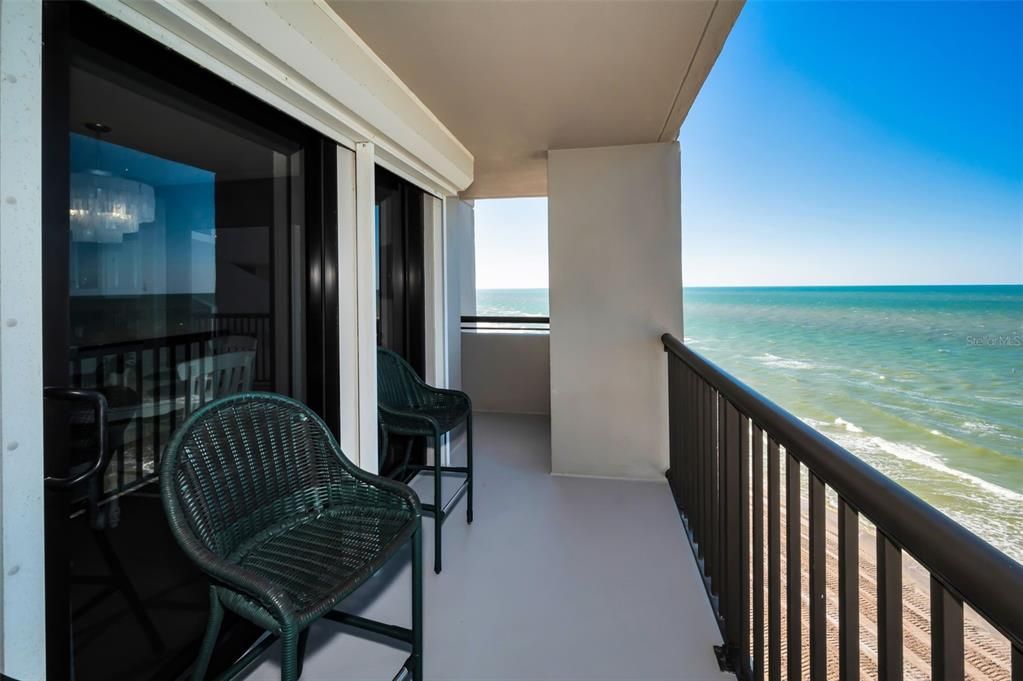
point(410, 407)
point(259, 495)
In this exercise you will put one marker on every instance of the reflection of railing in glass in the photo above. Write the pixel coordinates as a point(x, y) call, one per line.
point(152, 384)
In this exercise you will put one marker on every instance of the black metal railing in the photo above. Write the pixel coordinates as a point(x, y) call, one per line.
point(505, 323)
point(721, 434)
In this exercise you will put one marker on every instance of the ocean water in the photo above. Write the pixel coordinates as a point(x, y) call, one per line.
point(512, 302)
point(925, 384)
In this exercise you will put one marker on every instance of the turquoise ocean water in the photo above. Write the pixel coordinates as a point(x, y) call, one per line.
point(923, 383)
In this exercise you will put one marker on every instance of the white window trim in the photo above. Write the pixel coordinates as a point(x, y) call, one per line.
point(254, 47)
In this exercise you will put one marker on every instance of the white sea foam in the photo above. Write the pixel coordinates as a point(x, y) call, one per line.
point(767, 359)
point(848, 425)
point(978, 427)
point(865, 445)
point(813, 423)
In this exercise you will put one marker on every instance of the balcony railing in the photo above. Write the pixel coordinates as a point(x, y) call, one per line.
point(721, 435)
point(506, 323)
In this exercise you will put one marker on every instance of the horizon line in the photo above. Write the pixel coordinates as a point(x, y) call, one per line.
point(684, 286)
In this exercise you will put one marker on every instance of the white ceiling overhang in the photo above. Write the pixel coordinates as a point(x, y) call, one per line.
point(513, 79)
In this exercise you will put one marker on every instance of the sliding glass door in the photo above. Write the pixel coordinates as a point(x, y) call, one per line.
point(401, 308)
point(186, 259)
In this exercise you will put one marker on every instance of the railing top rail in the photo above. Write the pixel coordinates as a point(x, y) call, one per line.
point(161, 341)
point(493, 319)
point(984, 577)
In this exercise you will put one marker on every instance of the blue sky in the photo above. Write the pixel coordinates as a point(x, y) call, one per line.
point(838, 143)
point(511, 243)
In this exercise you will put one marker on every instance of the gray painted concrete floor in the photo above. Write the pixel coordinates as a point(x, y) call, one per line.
point(558, 578)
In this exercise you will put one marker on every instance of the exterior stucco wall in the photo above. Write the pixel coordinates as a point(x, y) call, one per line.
point(615, 286)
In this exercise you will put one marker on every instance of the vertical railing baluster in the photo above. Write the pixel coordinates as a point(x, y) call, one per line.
point(698, 468)
point(758, 552)
point(723, 500)
point(735, 585)
point(140, 416)
point(818, 582)
point(713, 528)
point(889, 609)
point(679, 432)
point(157, 410)
point(173, 383)
point(684, 438)
point(204, 372)
point(848, 592)
point(743, 590)
point(188, 379)
point(793, 563)
point(689, 424)
point(694, 467)
point(704, 474)
point(673, 431)
point(947, 654)
point(773, 561)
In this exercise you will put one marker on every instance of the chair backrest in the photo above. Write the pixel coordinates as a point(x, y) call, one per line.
point(233, 343)
point(397, 381)
point(208, 378)
point(243, 464)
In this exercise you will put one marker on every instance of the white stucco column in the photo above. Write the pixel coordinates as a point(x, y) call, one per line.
point(615, 286)
point(22, 595)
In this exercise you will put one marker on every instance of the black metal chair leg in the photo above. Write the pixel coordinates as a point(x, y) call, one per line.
point(289, 656)
point(405, 460)
point(417, 604)
point(468, 465)
point(303, 639)
point(438, 504)
point(209, 641)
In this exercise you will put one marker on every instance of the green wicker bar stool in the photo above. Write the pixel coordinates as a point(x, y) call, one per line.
point(260, 497)
point(410, 407)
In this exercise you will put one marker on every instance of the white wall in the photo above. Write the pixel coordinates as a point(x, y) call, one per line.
point(22, 643)
point(458, 236)
point(461, 280)
point(507, 372)
point(614, 216)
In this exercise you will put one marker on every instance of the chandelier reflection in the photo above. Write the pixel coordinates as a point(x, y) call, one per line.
point(103, 207)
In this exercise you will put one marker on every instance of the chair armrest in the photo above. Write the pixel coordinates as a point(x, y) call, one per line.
point(234, 576)
point(393, 487)
point(386, 411)
point(453, 393)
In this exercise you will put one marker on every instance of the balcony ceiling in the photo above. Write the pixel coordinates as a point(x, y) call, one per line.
point(514, 79)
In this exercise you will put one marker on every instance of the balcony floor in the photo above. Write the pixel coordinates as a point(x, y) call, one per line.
point(557, 578)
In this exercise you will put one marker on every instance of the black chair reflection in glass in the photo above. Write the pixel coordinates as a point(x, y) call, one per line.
point(409, 407)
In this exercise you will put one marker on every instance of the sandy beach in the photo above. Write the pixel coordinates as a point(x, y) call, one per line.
point(987, 652)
